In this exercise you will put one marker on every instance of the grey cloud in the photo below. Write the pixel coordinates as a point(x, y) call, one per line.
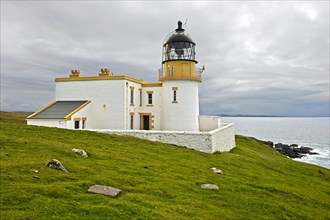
point(260, 57)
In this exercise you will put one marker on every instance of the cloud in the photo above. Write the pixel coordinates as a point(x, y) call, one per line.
point(260, 57)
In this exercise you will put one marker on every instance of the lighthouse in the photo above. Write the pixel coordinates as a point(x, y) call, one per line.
point(180, 79)
point(166, 111)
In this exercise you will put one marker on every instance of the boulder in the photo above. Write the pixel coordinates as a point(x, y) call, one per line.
point(305, 150)
point(105, 190)
point(216, 170)
point(210, 186)
point(80, 152)
point(268, 143)
point(56, 165)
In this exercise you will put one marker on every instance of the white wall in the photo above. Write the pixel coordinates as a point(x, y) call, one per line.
point(156, 107)
point(107, 109)
point(84, 112)
point(208, 123)
point(221, 139)
point(183, 115)
point(57, 123)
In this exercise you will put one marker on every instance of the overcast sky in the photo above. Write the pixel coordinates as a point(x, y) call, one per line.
point(268, 58)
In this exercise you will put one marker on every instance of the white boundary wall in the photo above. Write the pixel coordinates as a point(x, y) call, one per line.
point(221, 139)
point(208, 123)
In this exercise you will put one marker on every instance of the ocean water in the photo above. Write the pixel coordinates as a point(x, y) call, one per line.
point(308, 132)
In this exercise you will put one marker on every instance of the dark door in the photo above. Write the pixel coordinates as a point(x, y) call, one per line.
point(145, 122)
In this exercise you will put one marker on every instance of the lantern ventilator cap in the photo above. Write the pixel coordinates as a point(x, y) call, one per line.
point(179, 29)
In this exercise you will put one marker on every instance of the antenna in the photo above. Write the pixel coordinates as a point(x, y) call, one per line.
point(185, 24)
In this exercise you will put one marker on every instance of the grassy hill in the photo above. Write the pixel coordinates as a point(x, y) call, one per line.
point(159, 181)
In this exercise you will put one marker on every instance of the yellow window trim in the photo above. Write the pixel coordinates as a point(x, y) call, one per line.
point(149, 105)
point(150, 92)
point(131, 87)
point(174, 88)
point(145, 84)
point(68, 117)
point(41, 110)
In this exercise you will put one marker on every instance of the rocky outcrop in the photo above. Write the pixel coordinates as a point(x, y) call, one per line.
point(56, 165)
point(268, 143)
point(80, 152)
point(292, 150)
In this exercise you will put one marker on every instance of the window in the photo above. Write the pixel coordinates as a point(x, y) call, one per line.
point(132, 120)
point(132, 96)
point(175, 94)
point(76, 124)
point(140, 97)
point(83, 124)
point(150, 98)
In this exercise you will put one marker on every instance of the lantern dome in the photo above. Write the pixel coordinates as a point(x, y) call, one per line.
point(179, 46)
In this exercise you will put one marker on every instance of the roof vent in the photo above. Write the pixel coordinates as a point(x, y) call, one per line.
point(179, 29)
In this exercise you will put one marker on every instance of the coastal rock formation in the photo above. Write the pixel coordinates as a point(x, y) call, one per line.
point(268, 143)
point(56, 164)
point(292, 151)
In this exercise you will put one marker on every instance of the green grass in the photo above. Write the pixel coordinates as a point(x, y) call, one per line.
point(258, 182)
point(13, 117)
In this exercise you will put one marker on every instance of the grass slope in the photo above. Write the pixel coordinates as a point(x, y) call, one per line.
point(258, 182)
point(13, 117)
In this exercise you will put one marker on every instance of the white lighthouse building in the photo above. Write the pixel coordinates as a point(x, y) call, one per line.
point(180, 79)
point(122, 103)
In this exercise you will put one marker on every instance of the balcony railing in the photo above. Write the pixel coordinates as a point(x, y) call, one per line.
point(180, 73)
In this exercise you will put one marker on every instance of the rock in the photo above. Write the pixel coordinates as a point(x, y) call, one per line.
point(305, 150)
point(268, 143)
point(80, 152)
point(56, 164)
point(216, 170)
point(105, 190)
point(313, 153)
point(210, 186)
point(293, 150)
point(36, 176)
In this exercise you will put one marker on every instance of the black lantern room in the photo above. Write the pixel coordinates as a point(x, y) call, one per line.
point(179, 46)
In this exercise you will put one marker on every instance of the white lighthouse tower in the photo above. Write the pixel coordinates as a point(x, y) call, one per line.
point(180, 79)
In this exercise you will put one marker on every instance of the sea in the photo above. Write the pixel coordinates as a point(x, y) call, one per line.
point(308, 132)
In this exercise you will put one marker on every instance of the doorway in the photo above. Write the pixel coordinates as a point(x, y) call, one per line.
point(145, 122)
